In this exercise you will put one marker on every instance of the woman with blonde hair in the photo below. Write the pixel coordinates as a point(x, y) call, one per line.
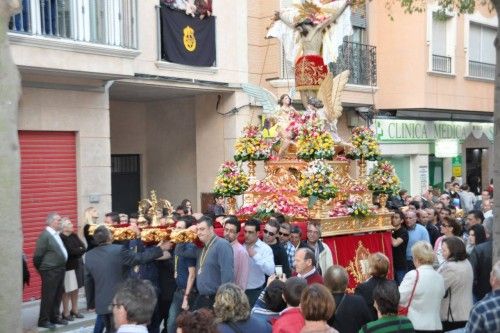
point(90, 216)
point(232, 312)
point(422, 290)
point(378, 265)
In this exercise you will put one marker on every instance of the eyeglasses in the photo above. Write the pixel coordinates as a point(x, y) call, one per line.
point(445, 225)
point(269, 232)
point(283, 234)
point(313, 232)
point(113, 305)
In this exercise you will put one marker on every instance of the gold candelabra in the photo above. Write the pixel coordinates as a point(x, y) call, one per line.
point(153, 208)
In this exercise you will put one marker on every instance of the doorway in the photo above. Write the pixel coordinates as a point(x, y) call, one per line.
point(473, 160)
point(125, 183)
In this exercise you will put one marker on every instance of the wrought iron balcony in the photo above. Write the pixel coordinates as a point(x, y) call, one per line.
point(441, 64)
point(361, 60)
point(481, 70)
point(110, 22)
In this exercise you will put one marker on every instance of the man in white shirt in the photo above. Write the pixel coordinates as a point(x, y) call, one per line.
point(50, 260)
point(261, 260)
point(133, 306)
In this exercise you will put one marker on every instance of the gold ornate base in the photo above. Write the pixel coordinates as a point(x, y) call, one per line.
point(347, 225)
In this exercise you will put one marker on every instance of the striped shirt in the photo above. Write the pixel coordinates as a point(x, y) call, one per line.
point(388, 324)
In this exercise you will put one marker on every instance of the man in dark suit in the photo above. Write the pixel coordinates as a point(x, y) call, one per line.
point(106, 267)
point(351, 312)
point(50, 260)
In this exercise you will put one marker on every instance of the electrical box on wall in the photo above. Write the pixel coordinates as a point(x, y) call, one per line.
point(94, 198)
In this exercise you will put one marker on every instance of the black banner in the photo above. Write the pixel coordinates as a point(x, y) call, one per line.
point(188, 40)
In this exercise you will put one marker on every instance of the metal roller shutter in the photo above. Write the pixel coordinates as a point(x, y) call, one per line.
point(48, 183)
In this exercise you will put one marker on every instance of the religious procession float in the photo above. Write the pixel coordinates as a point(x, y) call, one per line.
point(307, 165)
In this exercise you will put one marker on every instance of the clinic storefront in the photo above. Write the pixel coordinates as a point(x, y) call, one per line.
point(428, 153)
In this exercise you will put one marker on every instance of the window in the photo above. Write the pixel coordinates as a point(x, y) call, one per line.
point(481, 51)
point(441, 62)
point(110, 22)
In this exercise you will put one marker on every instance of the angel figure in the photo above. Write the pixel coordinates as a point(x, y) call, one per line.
point(282, 113)
point(314, 40)
point(330, 92)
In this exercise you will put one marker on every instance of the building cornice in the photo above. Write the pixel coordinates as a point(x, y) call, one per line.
point(72, 46)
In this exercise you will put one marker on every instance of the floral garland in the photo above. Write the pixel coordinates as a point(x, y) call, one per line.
point(383, 178)
point(251, 146)
point(231, 180)
point(316, 181)
point(314, 142)
point(364, 143)
point(277, 203)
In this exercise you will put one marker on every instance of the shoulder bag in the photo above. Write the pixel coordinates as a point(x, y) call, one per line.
point(403, 310)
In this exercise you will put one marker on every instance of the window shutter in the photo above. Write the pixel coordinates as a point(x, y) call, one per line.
point(475, 42)
point(438, 37)
point(487, 45)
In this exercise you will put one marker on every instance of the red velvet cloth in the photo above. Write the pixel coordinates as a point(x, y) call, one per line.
point(310, 70)
point(344, 251)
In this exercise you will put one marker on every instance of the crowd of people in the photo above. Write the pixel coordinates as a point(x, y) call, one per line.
point(268, 277)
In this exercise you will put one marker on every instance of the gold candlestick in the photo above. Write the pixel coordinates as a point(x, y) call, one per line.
point(251, 169)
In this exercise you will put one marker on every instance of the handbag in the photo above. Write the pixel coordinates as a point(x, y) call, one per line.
point(403, 310)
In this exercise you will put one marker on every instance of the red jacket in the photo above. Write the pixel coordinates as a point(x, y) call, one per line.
point(289, 321)
point(314, 278)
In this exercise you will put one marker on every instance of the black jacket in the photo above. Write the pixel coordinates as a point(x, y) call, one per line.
point(365, 290)
point(351, 313)
point(107, 266)
point(75, 248)
point(481, 260)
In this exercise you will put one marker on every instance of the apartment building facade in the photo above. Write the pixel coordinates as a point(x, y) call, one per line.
point(104, 118)
point(435, 97)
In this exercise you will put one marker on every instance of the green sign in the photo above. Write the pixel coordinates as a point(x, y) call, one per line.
point(456, 166)
point(396, 130)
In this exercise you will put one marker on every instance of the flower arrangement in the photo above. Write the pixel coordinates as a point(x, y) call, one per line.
point(339, 210)
point(276, 203)
point(231, 180)
point(364, 143)
point(251, 146)
point(296, 122)
point(316, 181)
point(383, 178)
point(314, 142)
point(262, 186)
point(359, 210)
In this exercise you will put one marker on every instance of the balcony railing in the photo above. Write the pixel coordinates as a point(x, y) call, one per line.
point(110, 22)
point(481, 70)
point(361, 60)
point(441, 64)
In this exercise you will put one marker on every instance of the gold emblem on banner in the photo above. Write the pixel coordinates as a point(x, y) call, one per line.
point(189, 39)
point(359, 267)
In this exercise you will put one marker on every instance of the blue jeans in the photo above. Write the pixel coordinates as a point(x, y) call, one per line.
point(99, 324)
point(175, 309)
